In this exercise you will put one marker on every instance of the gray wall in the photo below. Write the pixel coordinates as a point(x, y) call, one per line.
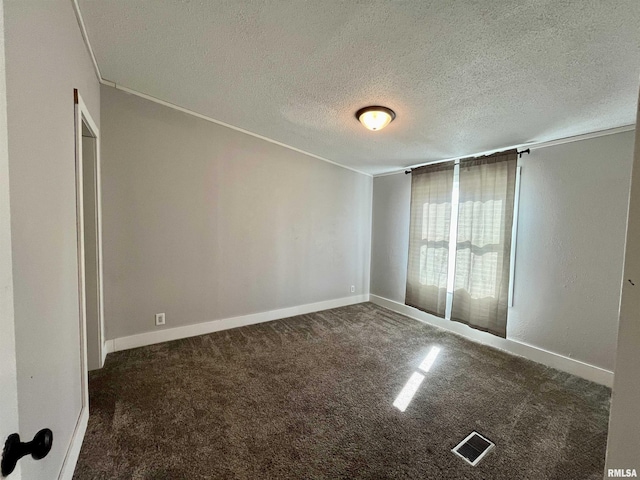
point(92, 319)
point(572, 216)
point(623, 447)
point(202, 222)
point(46, 59)
point(390, 235)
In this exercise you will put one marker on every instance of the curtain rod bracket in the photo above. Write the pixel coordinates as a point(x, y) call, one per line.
point(527, 151)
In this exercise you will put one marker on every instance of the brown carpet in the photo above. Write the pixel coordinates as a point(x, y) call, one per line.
point(311, 397)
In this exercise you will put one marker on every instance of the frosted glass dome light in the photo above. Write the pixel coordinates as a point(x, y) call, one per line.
point(375, 118)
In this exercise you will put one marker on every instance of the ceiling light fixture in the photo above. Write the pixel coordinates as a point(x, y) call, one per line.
point(375, 118)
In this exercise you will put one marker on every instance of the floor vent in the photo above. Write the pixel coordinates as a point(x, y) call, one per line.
point(473, 448)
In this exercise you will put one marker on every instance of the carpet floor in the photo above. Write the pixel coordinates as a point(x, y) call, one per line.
point(312, 397)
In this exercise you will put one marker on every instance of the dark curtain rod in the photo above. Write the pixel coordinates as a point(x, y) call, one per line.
point(527, 151)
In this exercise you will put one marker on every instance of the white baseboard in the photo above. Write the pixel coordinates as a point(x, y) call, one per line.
point(73, 452)
point(550, 359)
point(107, 348)
point(176, 333)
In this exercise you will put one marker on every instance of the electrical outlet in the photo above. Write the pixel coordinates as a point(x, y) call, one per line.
point(353, 288)
point(160, 320)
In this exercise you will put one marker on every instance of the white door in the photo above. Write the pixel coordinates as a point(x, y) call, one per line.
point(91, 308)
point(8, 379)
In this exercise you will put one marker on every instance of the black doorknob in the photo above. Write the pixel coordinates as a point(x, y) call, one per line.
point(14, 449)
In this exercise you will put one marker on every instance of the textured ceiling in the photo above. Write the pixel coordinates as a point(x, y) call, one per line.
point(463, 76)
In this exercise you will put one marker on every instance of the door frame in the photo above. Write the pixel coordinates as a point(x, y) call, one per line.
point(81, 114)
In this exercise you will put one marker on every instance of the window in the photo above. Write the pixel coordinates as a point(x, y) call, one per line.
point(460, 240)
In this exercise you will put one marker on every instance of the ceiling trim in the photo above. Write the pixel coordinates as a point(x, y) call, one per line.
point(531, 145)
point(109, 83)
point(584, 136)
point(85, 37)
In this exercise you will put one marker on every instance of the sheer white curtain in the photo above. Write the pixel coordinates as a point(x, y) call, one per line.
point(483, 244)
point(431, 190)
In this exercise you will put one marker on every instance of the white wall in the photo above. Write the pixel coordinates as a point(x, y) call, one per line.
point(623, 447)
point(203, 223)
point(573, 207)
point(46, 59)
